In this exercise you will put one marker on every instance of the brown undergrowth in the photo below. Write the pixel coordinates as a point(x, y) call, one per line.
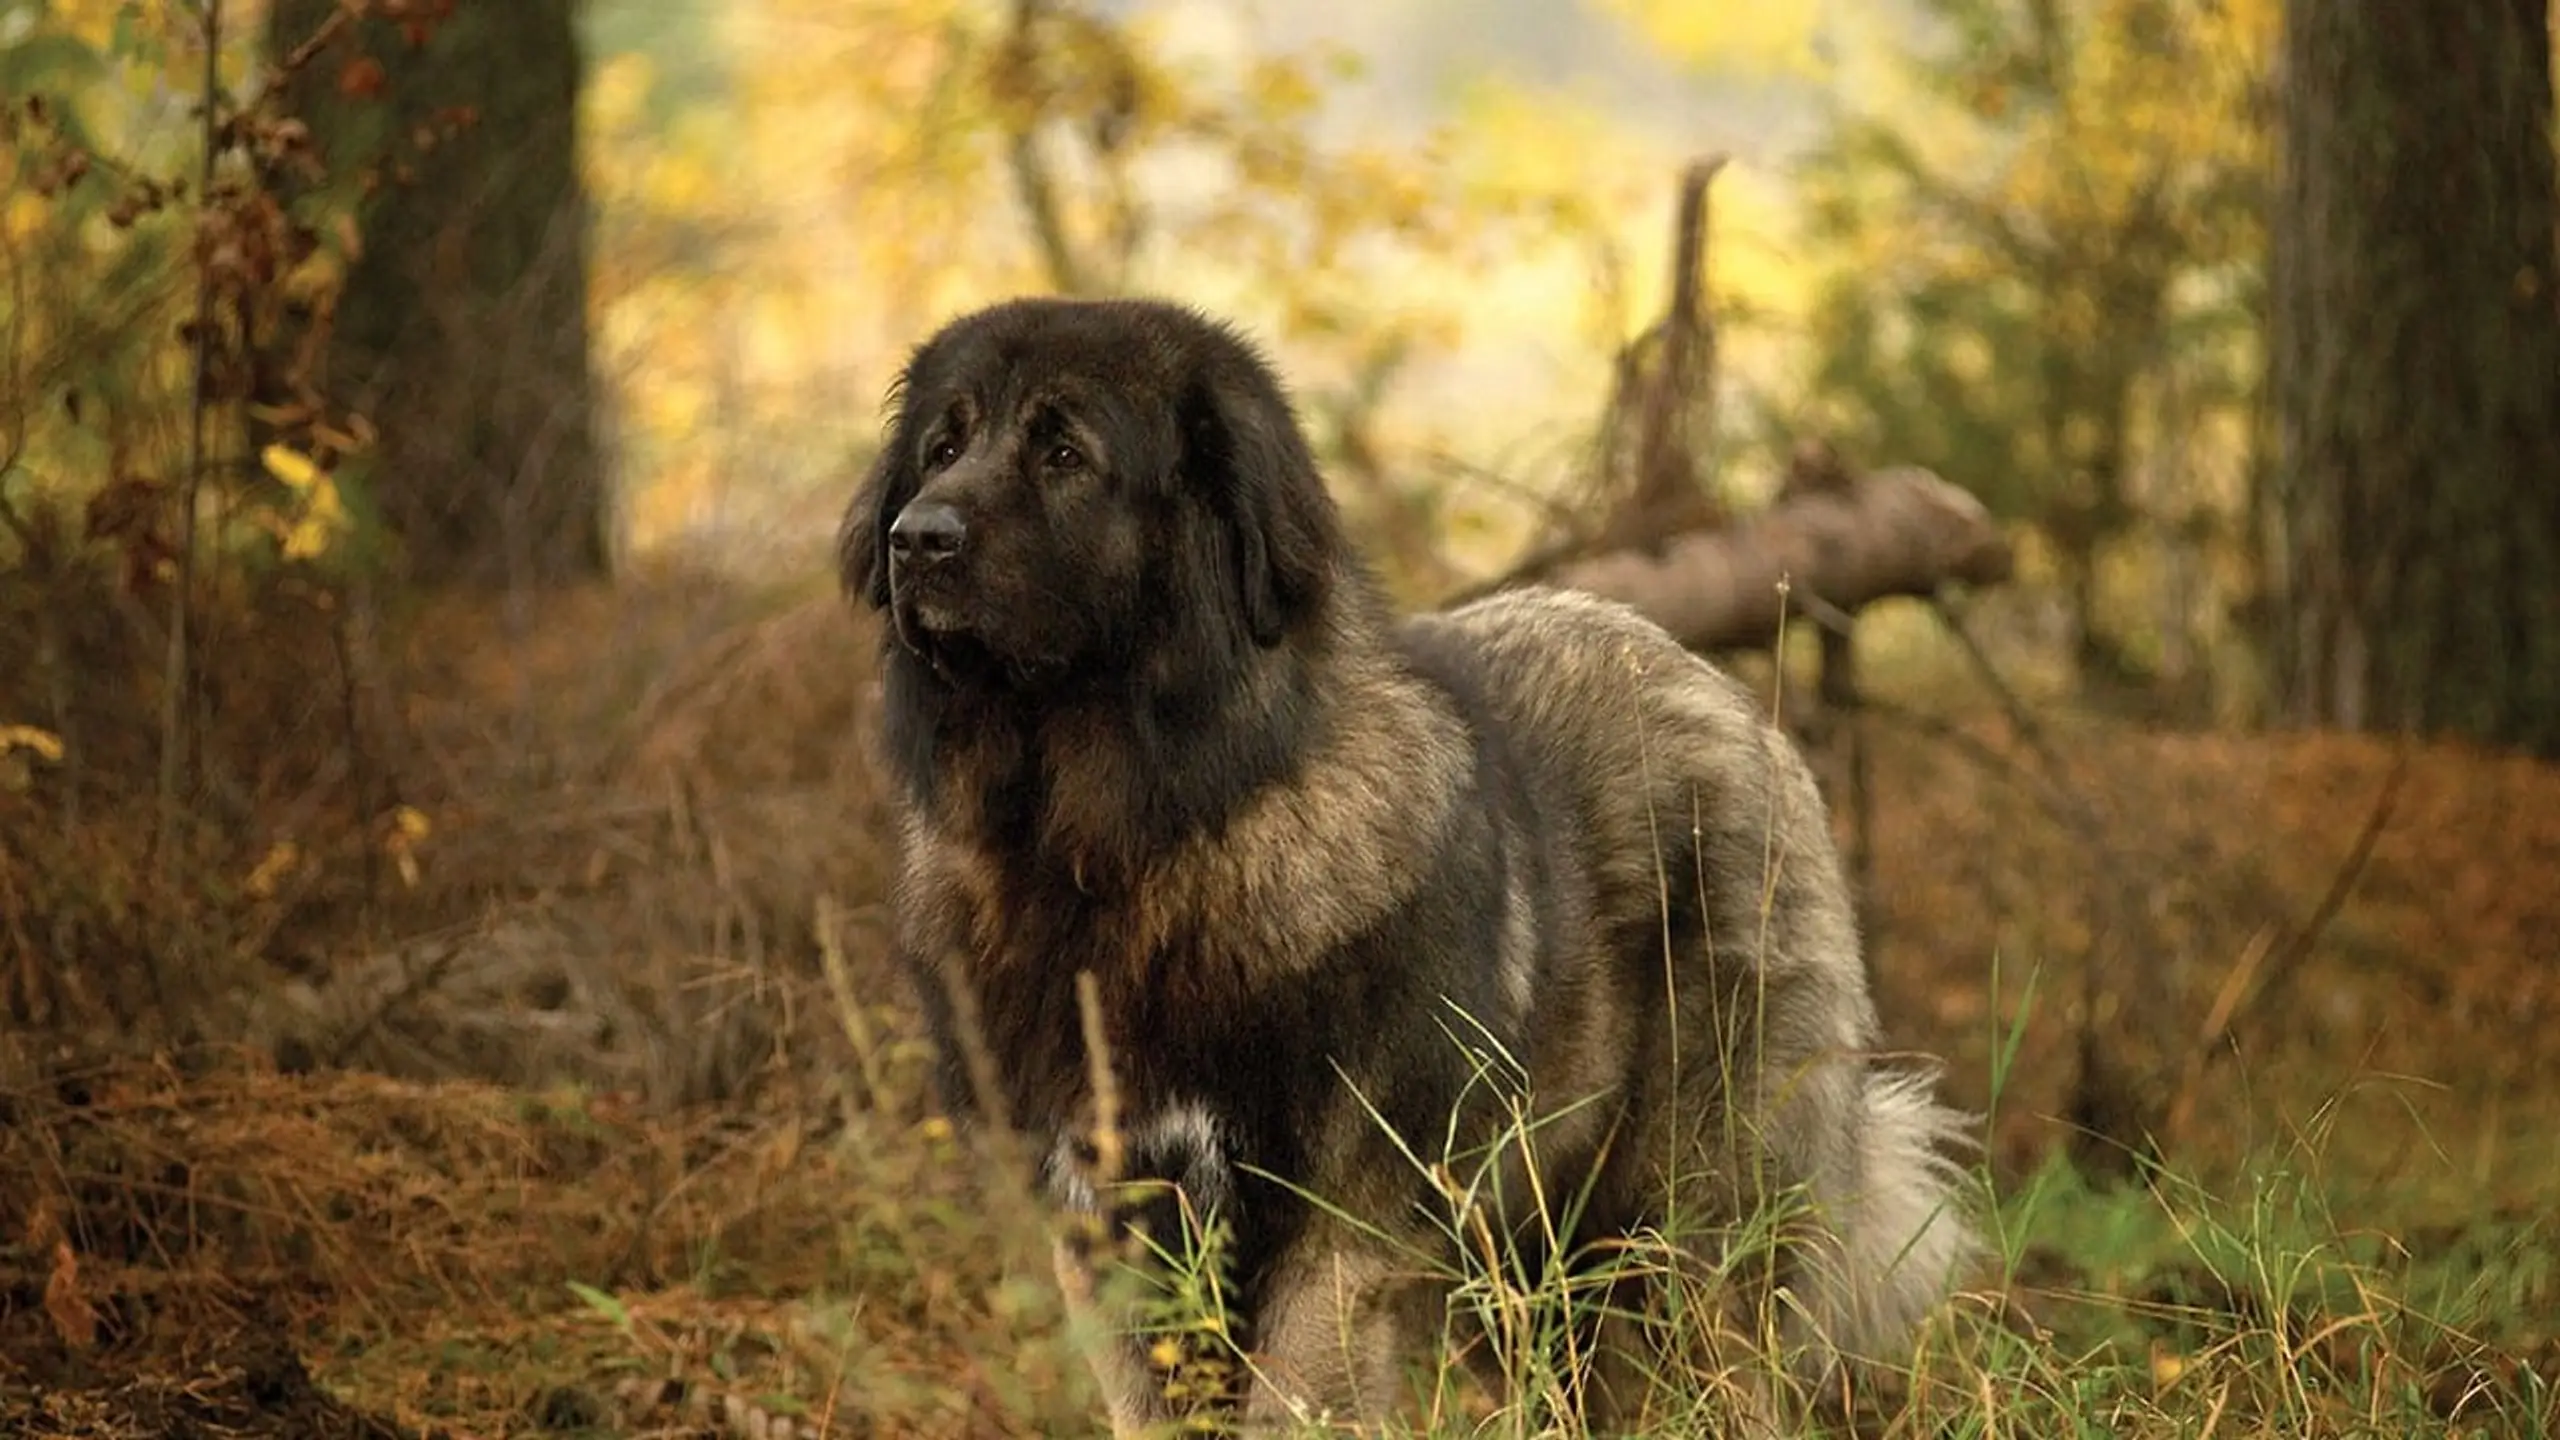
point(691, 1200)
point(164, 1223)
point(2428, 987)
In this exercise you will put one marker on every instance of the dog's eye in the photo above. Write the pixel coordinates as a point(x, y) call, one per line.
point(944, 451)
point(1064, 457)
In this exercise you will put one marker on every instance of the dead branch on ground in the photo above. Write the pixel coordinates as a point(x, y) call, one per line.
point(1901, 531)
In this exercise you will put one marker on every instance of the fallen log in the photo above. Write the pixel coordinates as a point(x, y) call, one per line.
point(1849, 543)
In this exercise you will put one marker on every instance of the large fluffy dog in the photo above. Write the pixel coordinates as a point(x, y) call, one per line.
point(1519, 907)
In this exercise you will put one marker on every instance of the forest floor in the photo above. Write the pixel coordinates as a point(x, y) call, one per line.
point(2355, 1231)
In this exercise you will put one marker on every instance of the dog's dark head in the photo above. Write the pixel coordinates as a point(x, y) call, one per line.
point(1063, 479)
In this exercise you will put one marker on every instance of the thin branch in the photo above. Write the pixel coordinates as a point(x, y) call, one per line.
point(1844, 721)
point(2119, 1099)
point(174, 677)
point(302, 54)
point(1553, 509)
point(1033, 182)
point(12, 353)
point(1984, 756)
point(2277, 956)
point(2021, 717)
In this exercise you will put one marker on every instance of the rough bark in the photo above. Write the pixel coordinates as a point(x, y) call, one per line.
point(1900, 531)
point(461, 333)
point(2414, 383)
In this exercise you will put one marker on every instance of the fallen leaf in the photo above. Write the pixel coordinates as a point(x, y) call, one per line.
point(279, 861)
point(72, 1317)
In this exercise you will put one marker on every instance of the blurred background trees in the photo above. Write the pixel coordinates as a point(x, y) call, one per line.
point(2042, 244)
point(460, 325)
point(423, 426)
point(455, 329)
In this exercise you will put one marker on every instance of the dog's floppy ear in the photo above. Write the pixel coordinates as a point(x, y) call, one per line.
point(1243, 438)
point(862, 539)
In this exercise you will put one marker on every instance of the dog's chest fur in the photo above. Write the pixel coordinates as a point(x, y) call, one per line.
point(1189, 935)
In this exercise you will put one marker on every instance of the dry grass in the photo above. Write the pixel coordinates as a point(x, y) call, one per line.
point(493, 1262)
point(435, 1243)
point(693, 1205)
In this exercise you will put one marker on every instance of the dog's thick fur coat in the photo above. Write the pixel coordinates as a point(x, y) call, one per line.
point(1338, 874)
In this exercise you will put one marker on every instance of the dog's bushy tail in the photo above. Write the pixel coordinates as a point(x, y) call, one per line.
point(1901, 1240)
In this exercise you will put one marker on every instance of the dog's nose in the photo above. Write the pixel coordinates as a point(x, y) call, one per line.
point(927, 532)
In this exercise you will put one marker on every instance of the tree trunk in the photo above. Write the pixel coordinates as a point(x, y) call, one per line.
point(461, 333)
point(2414, 373)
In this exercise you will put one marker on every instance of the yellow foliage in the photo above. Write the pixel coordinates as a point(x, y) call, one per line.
point(317, 516)
point(1774, 36)
point(2144, 118)
point(43, 743)
point(318, 278)
point(1522, 142)
point(26, 214)
point(683, 182)
point(860, 183)
point(289, 465)
point(2151, 113)
point(96, 203)
point(92, 22)
point(617, 87)
point(310, 533)
point(17, 742)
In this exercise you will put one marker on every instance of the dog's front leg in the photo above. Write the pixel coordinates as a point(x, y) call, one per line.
point(1131, 1394)
point(1337, 1328)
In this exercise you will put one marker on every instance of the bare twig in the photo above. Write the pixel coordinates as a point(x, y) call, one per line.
point(2021, 718)
point(1985, 758)
point(2297, 946)
point(986, 1088)
point(174, 677)
point(1089, 1235)
point(303, 54)
point(2062, 796)
point(2117, 1107)
point(12, 354)
point(1841, 706)
point(1107, 1141)
point(359, 771)
point(1554, 510)
point(2278, 955)
point(829, 921)
point(1033, 183)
